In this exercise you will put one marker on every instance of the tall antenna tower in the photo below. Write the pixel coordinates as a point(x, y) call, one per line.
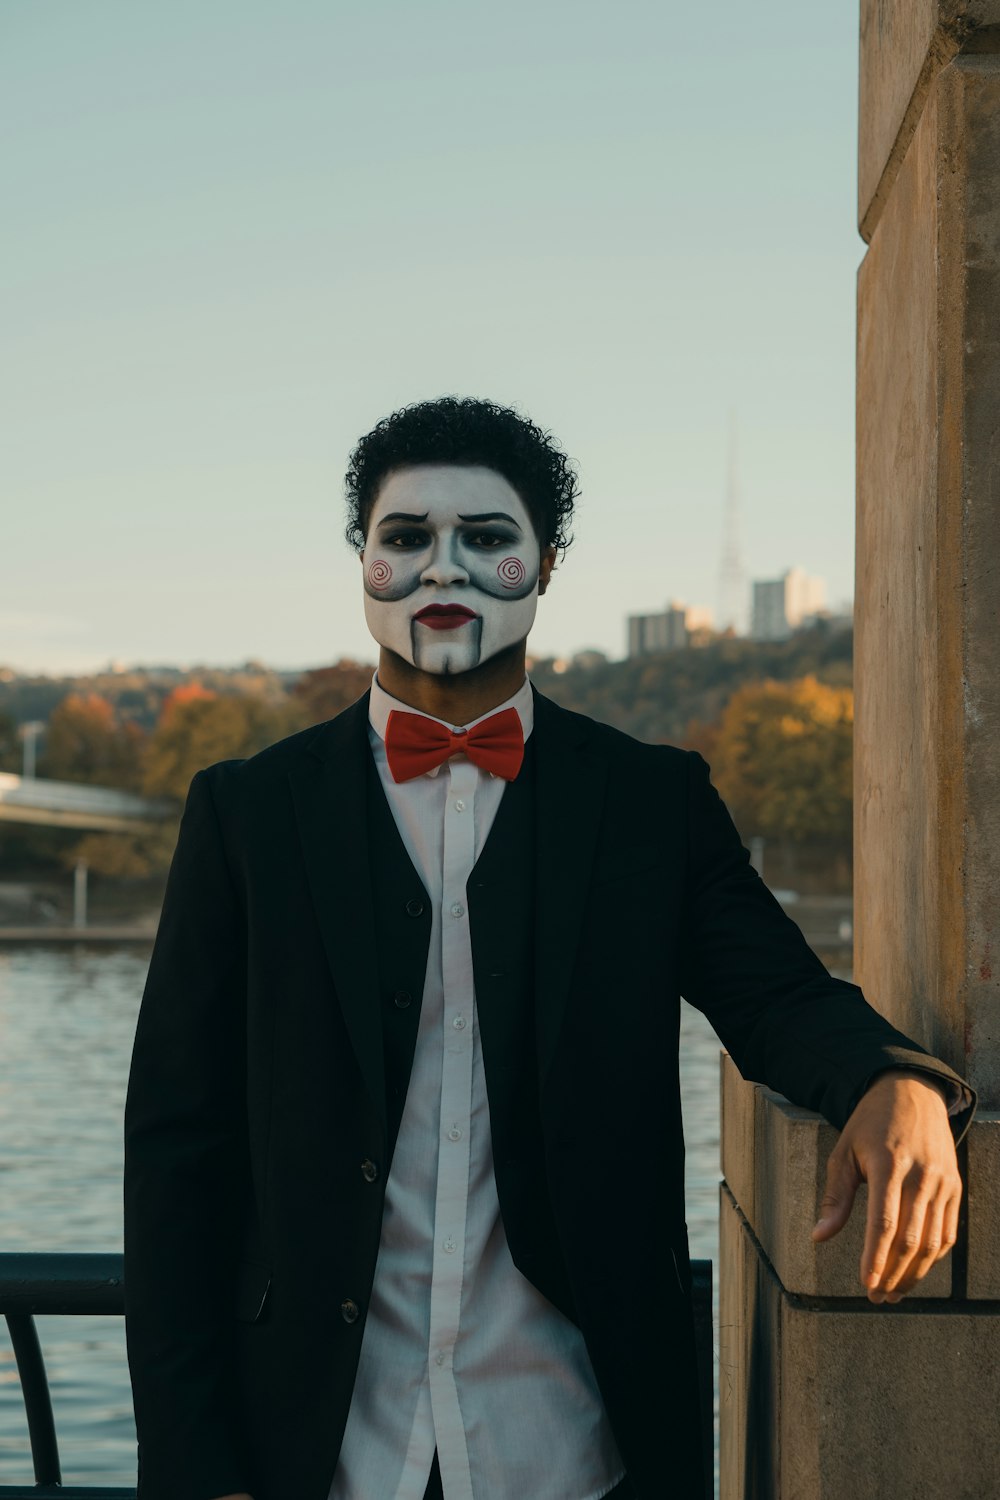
point(732, 575)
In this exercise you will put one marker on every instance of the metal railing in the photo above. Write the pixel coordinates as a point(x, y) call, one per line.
point(41, 1284)
point(46, 1285)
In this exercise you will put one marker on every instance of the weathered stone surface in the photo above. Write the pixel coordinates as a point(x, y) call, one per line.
point(983, 1268)
point(749, 1361)
point(927, 729)
point(970, 279)
point(878, 1403)
point(738, 1132)
point(822, 1397)
point(904, 43)
point(774, 1157)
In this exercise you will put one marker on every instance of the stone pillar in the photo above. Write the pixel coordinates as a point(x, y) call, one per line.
point(822, 1394)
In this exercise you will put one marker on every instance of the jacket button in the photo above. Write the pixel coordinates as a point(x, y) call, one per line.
point(401, 999)
point(369, 1170)
point(349, 1310)
point(414, 908)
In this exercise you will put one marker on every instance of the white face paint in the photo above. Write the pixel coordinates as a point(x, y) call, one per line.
point(449, 535)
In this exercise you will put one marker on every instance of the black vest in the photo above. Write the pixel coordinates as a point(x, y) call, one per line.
point(501, 907)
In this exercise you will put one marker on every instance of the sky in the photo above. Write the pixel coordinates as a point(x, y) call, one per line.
point(238, 233)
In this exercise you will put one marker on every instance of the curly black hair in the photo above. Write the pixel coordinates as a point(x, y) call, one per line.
point(464, 430)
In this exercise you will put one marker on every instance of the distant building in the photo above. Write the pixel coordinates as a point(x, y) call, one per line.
point(781, 605)
point(667, 631)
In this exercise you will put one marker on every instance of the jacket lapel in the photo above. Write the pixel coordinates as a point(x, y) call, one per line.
point(330, 795)
point(571, 776)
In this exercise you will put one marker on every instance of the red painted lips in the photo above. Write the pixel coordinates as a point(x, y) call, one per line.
point(444, 616)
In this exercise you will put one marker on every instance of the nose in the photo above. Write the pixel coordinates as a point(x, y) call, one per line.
point(444, 567)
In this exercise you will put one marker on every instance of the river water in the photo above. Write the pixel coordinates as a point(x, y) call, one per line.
point(67, 1019)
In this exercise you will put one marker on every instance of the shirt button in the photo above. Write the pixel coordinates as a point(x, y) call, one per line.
point(457, 909)
point(449, 1245)
point(369, 1170)
point(459, 1023)
point(349, 1310)
point(459, 805)
point(414, 908)
point(454, 1133)
point(401, 999)
point(439, 1358)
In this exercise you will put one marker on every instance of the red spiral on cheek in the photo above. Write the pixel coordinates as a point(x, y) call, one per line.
point(379, 573)
point(511, 572)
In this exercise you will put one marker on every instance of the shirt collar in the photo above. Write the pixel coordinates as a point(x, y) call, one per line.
point(381, 704)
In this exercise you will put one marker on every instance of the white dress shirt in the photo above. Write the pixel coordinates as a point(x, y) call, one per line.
point(460, 1352)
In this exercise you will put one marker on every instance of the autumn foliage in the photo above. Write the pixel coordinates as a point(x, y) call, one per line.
point(325, 691)
point(86, 742)
point(781, 757)
point(186, 692)
point(203, 728)
point(780, 750)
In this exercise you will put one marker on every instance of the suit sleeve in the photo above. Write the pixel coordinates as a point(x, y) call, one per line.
point(187, 1173)
point(785, 1021)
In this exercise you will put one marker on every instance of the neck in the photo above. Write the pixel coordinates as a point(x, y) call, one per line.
point(456, 699)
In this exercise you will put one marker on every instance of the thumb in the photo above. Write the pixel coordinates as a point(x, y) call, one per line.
point(842, 1180)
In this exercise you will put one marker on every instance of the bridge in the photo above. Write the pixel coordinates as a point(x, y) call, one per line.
point(70, 804)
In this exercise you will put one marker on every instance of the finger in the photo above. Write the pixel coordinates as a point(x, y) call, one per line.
point(842, 1180)
point(884, 1190)
point(950, 1234)
point(917, 1195)
point(929, 1249)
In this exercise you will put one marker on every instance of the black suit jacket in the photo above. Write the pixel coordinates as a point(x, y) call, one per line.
point(258, 1104)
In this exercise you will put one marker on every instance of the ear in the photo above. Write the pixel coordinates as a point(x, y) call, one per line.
point(545, 565)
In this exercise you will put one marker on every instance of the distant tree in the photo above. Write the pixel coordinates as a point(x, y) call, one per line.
point(126, 856)
point(656, 697)
point(197, 727)
point(324, 691)
point(10, 743)
point(186, 692)
point(200, 730)
point(703, 738)
point(85, 742)
point(782, 760)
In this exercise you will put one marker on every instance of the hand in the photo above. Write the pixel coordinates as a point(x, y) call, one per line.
point(898, 1140)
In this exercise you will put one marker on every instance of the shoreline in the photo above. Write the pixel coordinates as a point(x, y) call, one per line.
point(99, 933)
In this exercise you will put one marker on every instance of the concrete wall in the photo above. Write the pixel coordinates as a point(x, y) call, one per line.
point(927, 724)
point(824, 1395)
point(827, 1399)
point(904, 46)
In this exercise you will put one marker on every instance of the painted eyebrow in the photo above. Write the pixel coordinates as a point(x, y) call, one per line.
point(490, 515)
point(486, 515)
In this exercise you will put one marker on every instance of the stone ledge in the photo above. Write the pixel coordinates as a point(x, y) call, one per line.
point(774, 1157)
point(878, 1403)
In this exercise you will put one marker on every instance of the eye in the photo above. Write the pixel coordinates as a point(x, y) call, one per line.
point(490, 540)
point(402, 539)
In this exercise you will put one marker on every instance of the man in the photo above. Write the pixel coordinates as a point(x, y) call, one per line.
point(404, 1162)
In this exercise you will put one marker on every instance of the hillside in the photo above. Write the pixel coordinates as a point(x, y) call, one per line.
point(660, 698)
point(656, 698)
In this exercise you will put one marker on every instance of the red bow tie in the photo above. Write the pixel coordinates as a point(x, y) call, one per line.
point(415, 744)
